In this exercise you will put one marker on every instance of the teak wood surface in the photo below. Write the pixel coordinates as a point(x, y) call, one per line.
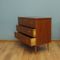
point(42, 30)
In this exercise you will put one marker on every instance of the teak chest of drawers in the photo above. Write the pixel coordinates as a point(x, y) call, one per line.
point(33, 31)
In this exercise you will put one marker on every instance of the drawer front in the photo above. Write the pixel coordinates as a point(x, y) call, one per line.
point(27, 22)
point(25, 39)
point(27, 31)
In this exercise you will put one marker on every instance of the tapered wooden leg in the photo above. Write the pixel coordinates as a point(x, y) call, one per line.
point(48, 46)
point(36, 49)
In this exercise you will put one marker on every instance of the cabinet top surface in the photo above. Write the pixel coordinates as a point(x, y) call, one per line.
point(35, 18)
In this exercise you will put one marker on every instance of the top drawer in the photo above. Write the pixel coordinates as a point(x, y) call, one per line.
point(26, 22)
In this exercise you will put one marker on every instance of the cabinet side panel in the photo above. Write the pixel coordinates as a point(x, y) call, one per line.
point(43, 31)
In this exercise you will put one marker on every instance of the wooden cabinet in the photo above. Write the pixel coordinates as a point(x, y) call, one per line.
point(33, 31)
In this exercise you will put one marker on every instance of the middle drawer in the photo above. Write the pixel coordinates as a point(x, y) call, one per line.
point(28, 31)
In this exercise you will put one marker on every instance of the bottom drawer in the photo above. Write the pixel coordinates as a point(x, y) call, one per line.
point(25, 39)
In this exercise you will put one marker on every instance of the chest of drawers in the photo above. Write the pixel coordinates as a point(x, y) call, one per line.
point(33, 31)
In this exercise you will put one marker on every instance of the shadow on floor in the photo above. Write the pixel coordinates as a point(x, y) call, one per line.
point(31, 49)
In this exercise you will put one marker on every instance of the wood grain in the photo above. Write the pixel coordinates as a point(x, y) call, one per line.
point(13, 51)
point(25, 39)
point(42, 27)
point(28, 31)
point(29, 21)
